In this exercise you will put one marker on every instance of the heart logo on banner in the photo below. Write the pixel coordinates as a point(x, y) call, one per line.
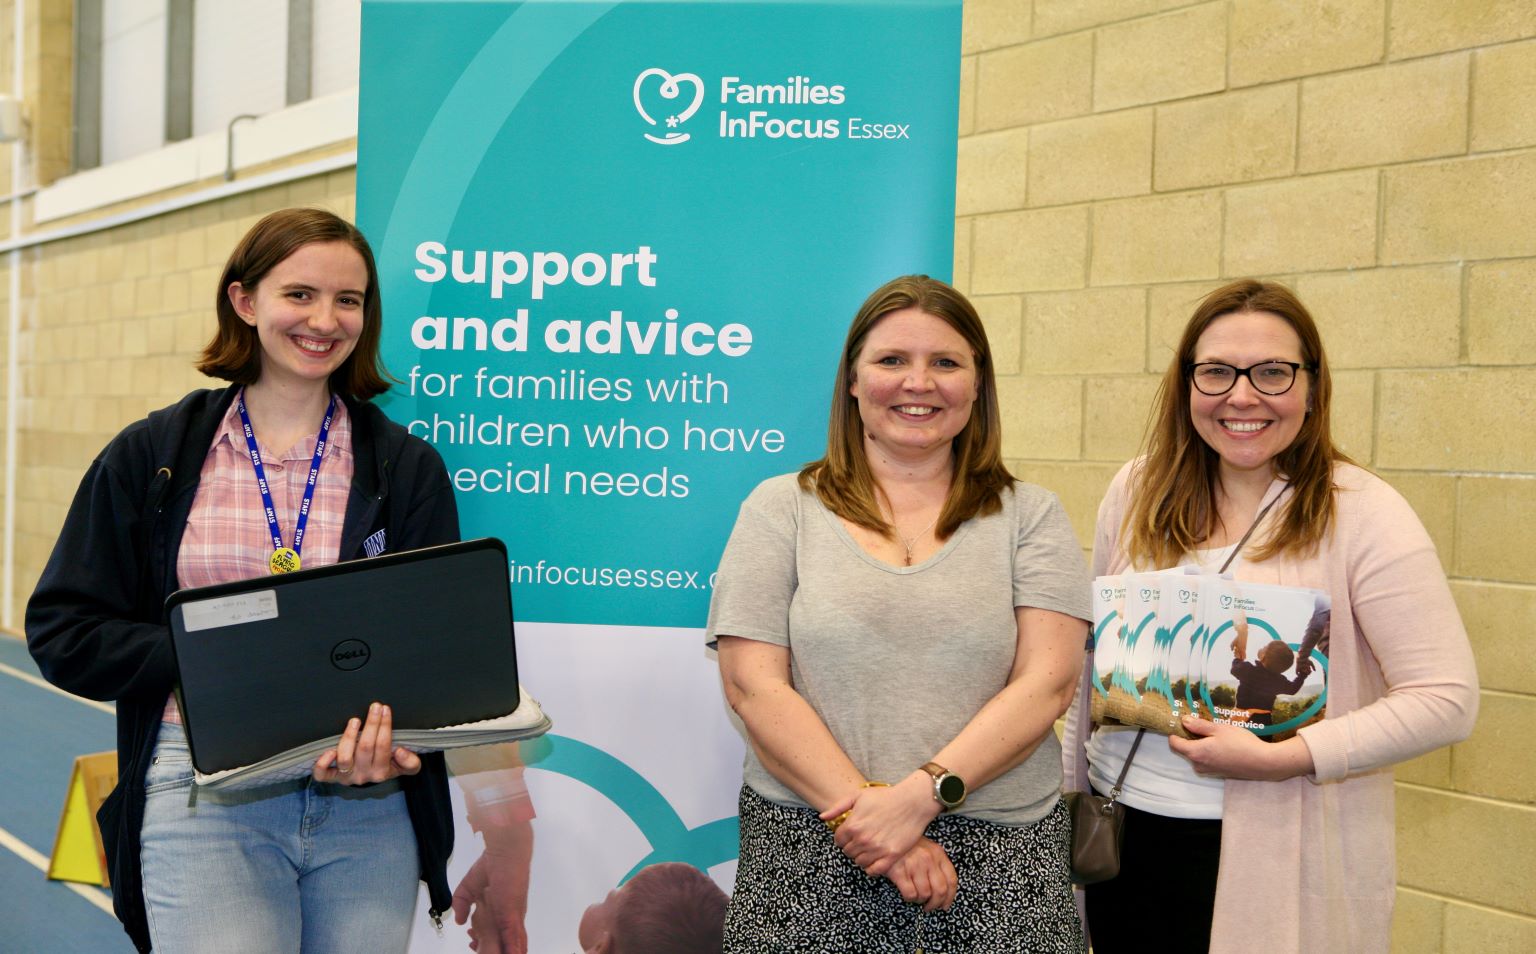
point(671, 88)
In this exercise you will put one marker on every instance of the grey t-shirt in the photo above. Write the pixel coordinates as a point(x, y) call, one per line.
point(896, 660)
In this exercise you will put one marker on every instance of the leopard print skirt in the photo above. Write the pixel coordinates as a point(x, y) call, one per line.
point(796, 891)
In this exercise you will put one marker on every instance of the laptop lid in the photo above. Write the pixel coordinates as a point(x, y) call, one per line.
point(275, 662)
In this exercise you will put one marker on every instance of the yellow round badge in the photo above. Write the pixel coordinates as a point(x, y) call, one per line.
point(283, 560)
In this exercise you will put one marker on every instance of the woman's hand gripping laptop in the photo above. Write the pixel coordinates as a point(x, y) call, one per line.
point(365, 754)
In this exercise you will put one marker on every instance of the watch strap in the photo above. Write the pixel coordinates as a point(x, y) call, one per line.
point(940, 775)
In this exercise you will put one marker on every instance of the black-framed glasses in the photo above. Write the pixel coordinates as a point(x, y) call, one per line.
point(1273, 378)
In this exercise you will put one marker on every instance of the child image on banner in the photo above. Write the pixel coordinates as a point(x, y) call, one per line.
point(1254, 676)
point(493, 895)
point(667, 908)
point(1108, 631)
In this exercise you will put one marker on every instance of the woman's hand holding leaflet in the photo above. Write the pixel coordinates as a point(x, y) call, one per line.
point(1229, 751)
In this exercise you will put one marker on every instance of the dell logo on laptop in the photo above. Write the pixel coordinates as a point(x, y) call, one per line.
point(349, 654)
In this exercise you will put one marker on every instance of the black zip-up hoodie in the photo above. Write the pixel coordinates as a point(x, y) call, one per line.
point(96, 621)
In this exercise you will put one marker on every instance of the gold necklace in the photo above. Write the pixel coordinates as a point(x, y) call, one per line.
point(910, 542)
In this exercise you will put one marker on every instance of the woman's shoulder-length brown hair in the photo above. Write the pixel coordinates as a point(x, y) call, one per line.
point(1172, 508)
point(234, 354)
point(842, 479)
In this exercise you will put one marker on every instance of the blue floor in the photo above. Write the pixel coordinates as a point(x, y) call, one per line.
point(45, 731)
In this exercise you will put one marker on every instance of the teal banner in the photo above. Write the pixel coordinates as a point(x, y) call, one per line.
point(619, 245)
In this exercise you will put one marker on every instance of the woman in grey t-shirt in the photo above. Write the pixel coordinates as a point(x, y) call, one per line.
point(898, 627)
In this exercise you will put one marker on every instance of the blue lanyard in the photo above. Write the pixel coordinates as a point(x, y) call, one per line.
point(286, 559)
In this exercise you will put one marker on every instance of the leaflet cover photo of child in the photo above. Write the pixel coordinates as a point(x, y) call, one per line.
point(1181, 643)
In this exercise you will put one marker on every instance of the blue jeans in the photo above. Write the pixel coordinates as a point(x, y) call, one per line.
point(295, 866)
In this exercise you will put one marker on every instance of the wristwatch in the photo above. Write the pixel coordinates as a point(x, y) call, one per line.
point(948, 788)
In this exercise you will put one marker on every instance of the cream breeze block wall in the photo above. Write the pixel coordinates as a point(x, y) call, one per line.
point(111, 323)
point(1118, 160)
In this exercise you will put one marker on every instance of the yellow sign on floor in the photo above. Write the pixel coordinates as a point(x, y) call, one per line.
point(78, 854)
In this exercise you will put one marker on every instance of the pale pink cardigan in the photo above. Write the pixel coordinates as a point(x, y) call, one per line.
point(1308, 864)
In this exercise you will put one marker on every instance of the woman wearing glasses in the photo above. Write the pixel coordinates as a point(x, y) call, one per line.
point(1230, 839)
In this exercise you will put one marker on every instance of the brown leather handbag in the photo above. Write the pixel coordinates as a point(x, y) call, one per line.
point(1097, 823)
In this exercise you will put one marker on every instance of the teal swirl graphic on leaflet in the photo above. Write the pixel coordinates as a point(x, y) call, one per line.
point(703, 847)
point(1098, 634)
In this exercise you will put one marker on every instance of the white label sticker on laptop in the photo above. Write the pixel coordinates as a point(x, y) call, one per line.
point(229, 610)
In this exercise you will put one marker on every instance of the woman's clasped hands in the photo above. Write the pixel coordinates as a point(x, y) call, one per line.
point(366, 754)
point(881, 831)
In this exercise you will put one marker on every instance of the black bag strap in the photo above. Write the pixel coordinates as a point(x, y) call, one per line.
point(1114, 793)
point(1249, 532)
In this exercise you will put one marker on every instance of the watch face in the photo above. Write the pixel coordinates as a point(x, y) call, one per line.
point(951, 790)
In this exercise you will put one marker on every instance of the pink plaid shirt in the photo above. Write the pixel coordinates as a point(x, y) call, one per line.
point(227, 537)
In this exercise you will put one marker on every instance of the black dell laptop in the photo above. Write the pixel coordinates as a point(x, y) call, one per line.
point(272, 663)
